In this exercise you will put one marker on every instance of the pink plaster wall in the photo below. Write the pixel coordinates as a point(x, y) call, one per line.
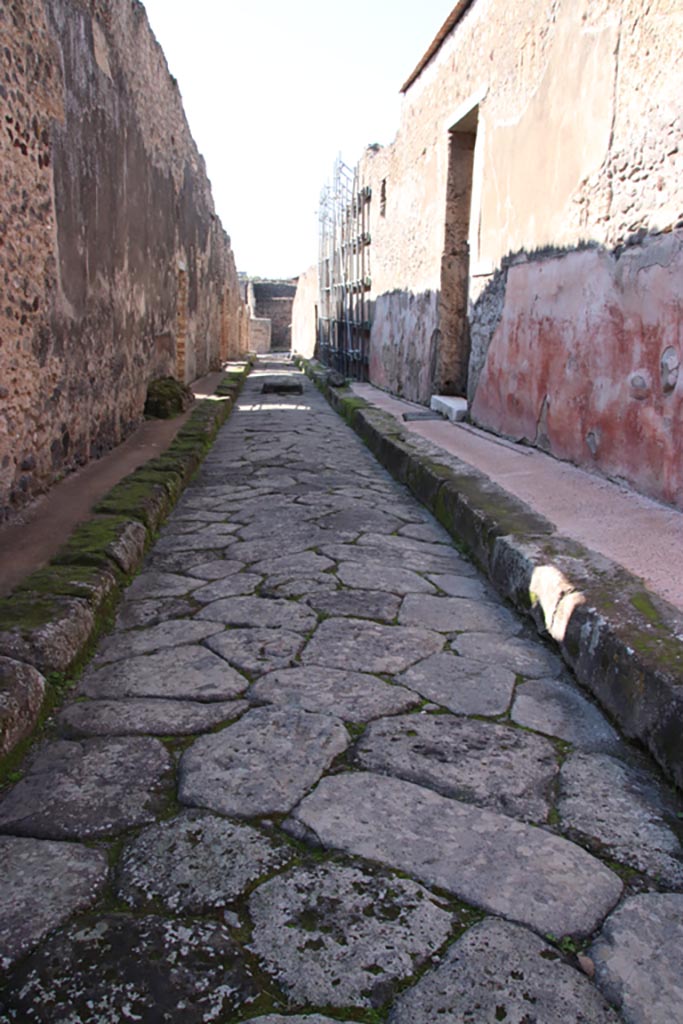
point(584, 362)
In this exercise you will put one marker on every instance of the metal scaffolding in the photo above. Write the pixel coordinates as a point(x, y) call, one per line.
point(344, 273)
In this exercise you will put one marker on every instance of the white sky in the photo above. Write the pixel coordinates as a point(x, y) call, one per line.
point(274, 91)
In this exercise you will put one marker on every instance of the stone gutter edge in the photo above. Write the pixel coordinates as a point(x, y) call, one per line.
point(622, 642)
point(76, 593)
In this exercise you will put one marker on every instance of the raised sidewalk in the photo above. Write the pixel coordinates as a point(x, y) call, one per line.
point(598, 567)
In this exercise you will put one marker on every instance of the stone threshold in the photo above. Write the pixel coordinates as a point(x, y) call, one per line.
point(622, 642)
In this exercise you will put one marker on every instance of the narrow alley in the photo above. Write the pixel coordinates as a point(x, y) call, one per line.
point(320, 772)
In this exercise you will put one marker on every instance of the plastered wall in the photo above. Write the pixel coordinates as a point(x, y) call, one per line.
point(114, 268)
point(574, 257)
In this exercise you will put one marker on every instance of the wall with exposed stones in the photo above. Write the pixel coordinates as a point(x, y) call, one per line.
point(273, 300)
point(526, 223)
point(114, 268)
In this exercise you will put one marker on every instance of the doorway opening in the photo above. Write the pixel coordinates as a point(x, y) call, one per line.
point(453, 351)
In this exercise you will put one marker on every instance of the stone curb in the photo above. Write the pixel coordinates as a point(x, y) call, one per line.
point(622, 642)
point(49, 623)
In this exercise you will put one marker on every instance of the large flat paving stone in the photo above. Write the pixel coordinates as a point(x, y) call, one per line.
point(463, 686)
point(479, 762)
point(365, 646)
point(173, 633)
point(553, 707)
point(260, 612)
point(340, 936)
point(351, 696)
point(211, 537)
point(501, 972)
point(120, 968)
point(151, 611)
point(77, 790)
point(297, 1018)
point(153, 717)
point(359, 604)
point(288, 567)
point(188, 672)
point(160, 584)
point(263, 764)
point(639, 959)
point(360, 520)
point(43, 883)
point(525, 657)
point(235, 585)
point(215, 568)
point(388, 579)
point(504, 866)
point(457, 614)
point(622, 810)
point(196, 863)
point(255, 651)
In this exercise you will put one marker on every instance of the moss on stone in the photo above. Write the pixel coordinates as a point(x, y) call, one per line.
point(166, 398)
point(88, 543)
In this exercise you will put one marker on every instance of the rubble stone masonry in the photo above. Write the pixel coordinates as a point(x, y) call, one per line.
point(114, 268)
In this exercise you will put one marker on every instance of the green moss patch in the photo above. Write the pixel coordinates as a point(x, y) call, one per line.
point(166, 398)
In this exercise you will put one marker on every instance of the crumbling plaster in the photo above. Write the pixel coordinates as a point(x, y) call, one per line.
point(105, 204)
point(578, 160)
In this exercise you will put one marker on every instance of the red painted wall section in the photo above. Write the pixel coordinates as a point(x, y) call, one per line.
point(584, 362)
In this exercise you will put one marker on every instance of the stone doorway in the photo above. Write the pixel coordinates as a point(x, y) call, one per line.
point(453, 352)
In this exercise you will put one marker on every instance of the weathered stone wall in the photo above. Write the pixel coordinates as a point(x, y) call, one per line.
point(259, 334)
point(304, 314)
point(573, 258)
point(273, 300)
point(114, 267)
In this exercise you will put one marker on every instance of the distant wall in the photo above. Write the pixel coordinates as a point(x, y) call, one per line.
point(273, 299)
point(114, 268)
point(304, 319)
point(259, 335)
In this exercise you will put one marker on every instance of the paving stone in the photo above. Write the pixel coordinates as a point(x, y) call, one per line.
point(414, 554)
point(365, 646)
point(183, 673)
point(133, 614)
point(304, 588)
point(180, 561)
point(360, 520)
point(479, 762)
point(77, 790)
point(120, 968)
point(429, 532)
point(216, 568)
point(504, 866)
point(257, 650)
point(501, 972)
point(525, 657)
point(638, 958)
point(352, 696)
point(209, 537)
point(448, 614)
point(235, 585)
point(196, 863)
point(196, 515)
point(293, 567)
point(43, 883)
point(554, 707)
point(362, 604)
point(272, 547)
point(263, 764)
point(263, 612)
point(173, 633)
point(388, 579)
point(339, 936)
point(463, 586)
point(463, 686)
point(160, 584)
point(623, 811)
point(219, 527)
point(296, 1018)
point(155, 717)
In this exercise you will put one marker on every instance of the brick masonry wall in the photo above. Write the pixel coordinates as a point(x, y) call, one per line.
point(114, 268)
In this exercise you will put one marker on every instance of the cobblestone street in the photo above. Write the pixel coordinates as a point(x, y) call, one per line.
point(319, 772)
